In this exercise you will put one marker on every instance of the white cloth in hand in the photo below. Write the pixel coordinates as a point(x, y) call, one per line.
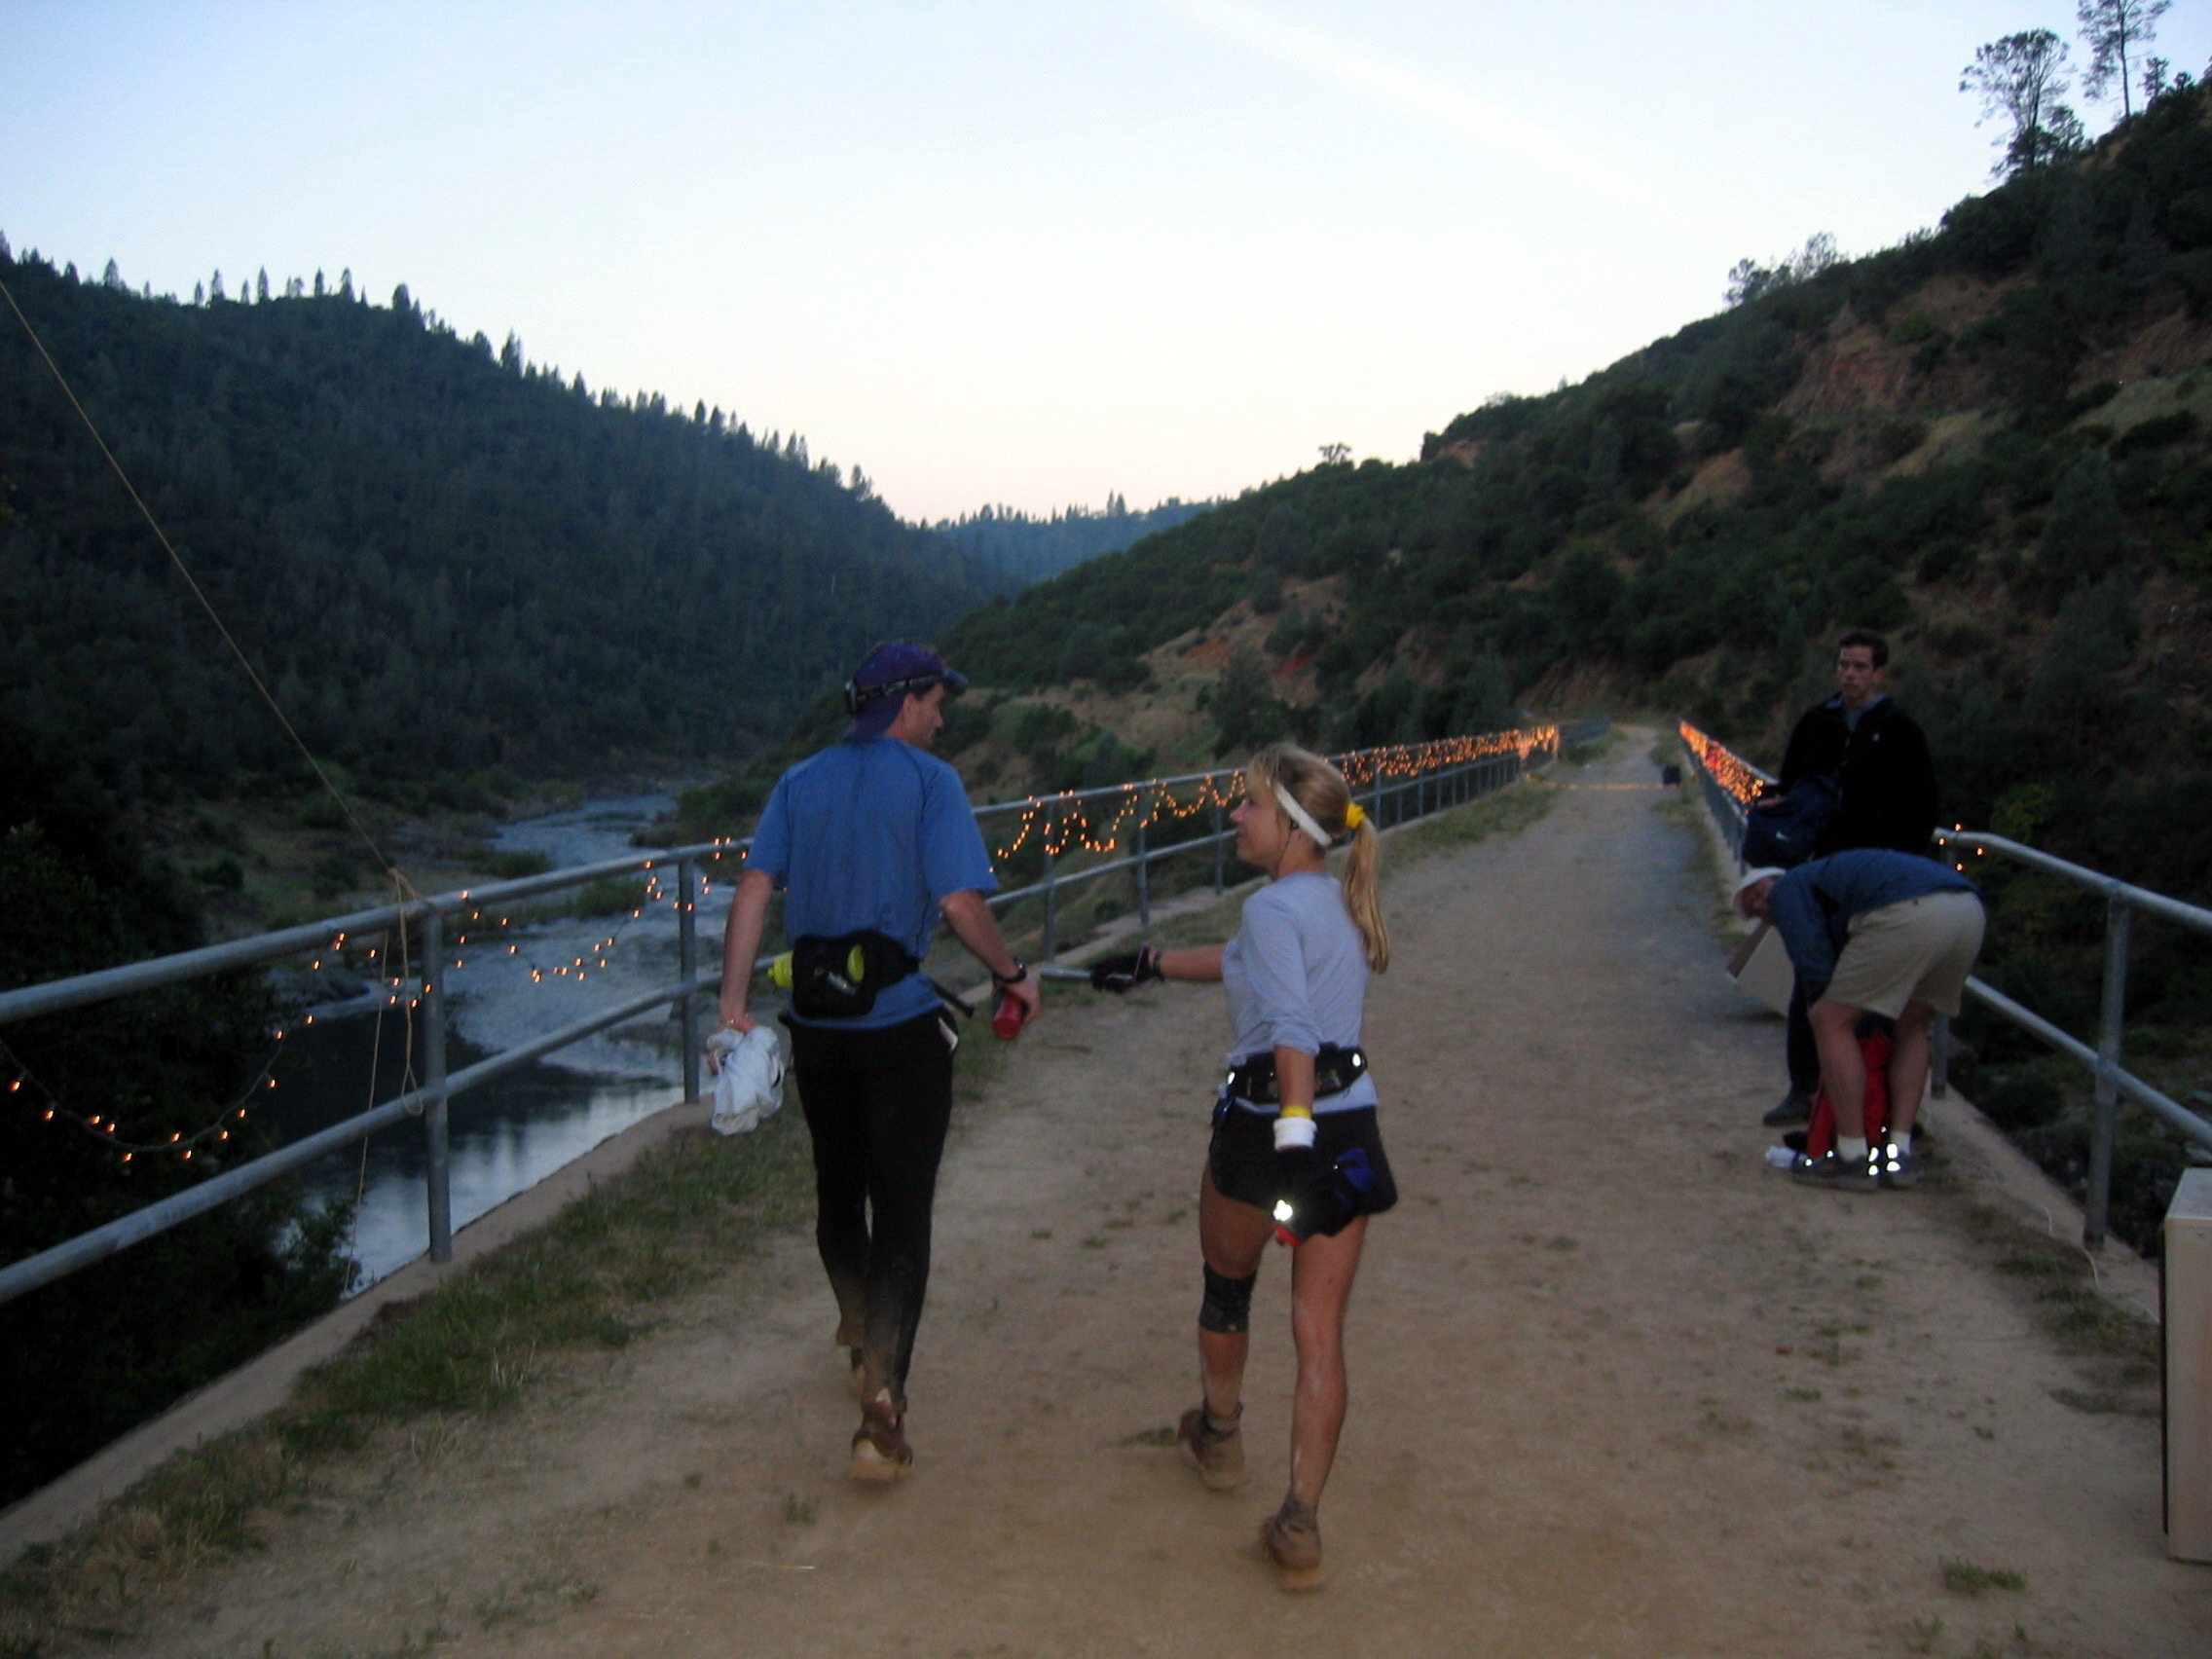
point(749, 1079)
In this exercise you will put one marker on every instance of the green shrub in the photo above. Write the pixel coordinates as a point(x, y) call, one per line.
point(2171, 428)
point(609, 896)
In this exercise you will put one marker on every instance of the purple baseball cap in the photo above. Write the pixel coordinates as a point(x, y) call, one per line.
point(879, 686)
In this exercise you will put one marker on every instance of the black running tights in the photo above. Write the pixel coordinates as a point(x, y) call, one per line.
point(877, 1104)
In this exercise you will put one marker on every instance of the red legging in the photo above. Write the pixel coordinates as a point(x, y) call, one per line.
point(1820, 1132)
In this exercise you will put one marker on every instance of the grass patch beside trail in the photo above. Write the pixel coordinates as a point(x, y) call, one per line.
point(2058, 1281)
point(1595, 753)
point(589, 1279)
point(1965, 1578)
point(1507, 812)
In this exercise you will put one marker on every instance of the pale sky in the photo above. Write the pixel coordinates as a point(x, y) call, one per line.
point(1002, 252)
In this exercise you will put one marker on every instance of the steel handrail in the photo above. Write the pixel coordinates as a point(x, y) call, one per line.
point(56, 996)
point(431, 1101)
point(2110, 886)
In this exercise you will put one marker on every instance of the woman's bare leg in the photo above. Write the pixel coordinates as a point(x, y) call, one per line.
point(1322, 1273)
point(1233, 1236)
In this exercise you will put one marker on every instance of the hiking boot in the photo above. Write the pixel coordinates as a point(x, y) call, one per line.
point(1217, 1454)
point(1793, 1108)
point(880, 1452)
point(1900, 1168)
point(1291, 1538)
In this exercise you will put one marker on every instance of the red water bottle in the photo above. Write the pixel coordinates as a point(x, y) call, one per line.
point(1010, 1017)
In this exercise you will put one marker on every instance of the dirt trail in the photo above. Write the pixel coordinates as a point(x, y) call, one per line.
point(1617, 1388)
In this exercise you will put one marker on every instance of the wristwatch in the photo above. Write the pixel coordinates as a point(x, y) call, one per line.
point(1019, 974)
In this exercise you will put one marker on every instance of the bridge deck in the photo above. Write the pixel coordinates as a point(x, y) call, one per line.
point(1617, 1388)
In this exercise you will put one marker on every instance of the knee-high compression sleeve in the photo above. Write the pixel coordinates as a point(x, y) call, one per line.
point(1227, 1305)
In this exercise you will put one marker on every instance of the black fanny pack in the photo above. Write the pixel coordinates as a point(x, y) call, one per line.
point(839, 976)
point(1334, 1070)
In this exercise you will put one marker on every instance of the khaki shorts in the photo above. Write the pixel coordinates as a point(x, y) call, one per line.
point(1918, 950)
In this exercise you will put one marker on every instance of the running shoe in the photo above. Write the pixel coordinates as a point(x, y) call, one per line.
point(880, 1452)
point(1900, 1168)
point(1832, 1169)
point(1291, 1538)
point(1217, 1454)
point(1793, 1108)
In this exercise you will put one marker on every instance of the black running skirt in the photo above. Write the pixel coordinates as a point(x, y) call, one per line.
point(1243, 1162)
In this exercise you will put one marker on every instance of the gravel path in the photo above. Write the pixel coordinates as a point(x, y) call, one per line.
point(1617, 1389)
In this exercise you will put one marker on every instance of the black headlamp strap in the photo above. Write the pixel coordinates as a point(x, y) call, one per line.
point(858, 697)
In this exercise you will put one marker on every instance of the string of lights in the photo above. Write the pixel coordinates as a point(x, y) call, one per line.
point(1723, 765)
point(1100, 825)
point(108, 1131)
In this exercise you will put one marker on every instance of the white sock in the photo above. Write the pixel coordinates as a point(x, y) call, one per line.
point(1903, 1142)
point(1850, 1148)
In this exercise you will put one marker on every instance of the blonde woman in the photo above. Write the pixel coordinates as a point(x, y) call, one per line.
point(1296, 1152)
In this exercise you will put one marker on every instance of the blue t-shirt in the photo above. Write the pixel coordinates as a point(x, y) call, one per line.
point(871, 832)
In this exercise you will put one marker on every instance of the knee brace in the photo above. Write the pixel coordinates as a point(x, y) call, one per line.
point(1227, 1305)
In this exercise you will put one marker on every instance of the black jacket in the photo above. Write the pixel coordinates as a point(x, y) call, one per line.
point(1883, 768)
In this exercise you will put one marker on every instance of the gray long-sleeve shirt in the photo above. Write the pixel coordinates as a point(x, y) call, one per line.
point(1295, 975)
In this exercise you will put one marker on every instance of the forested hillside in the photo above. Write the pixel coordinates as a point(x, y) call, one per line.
point(1026, 549)
point(442, 558)
point(1990, 440)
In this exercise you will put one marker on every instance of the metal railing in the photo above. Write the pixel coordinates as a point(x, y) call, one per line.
point(1397, 784)
point(1394, 784)
point(2113, 1080)
point(1727, 778)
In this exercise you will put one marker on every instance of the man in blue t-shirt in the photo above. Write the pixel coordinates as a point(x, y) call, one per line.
point(872, 840)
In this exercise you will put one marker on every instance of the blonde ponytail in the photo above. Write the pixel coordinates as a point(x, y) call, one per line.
point(1322, 791)
point(1362, 871)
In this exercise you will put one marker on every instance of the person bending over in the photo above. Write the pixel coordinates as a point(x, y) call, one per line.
point(1872, 931)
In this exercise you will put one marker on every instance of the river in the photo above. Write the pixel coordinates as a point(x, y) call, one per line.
point(514, 1132)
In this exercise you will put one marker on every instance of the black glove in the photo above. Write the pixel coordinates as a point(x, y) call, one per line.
point(1124, 973)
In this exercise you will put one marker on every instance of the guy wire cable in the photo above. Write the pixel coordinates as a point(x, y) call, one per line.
point(344, 805)
point(402, 888)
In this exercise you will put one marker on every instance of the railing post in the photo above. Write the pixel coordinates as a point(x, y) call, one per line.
point(1220, 847)
point(687, 966)
point(1144, 869)
point(2112, 1017)
point(1052, 892)
point(1939, 1056)
point(436, 1162)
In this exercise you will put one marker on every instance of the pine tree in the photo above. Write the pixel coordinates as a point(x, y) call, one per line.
point(2112, 30)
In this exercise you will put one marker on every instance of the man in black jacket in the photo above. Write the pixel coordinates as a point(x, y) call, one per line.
point(1878, 755)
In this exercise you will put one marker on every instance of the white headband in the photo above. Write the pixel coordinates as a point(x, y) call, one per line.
point(1301, 817)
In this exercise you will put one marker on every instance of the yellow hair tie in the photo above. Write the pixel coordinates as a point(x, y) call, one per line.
point(1353, 817)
